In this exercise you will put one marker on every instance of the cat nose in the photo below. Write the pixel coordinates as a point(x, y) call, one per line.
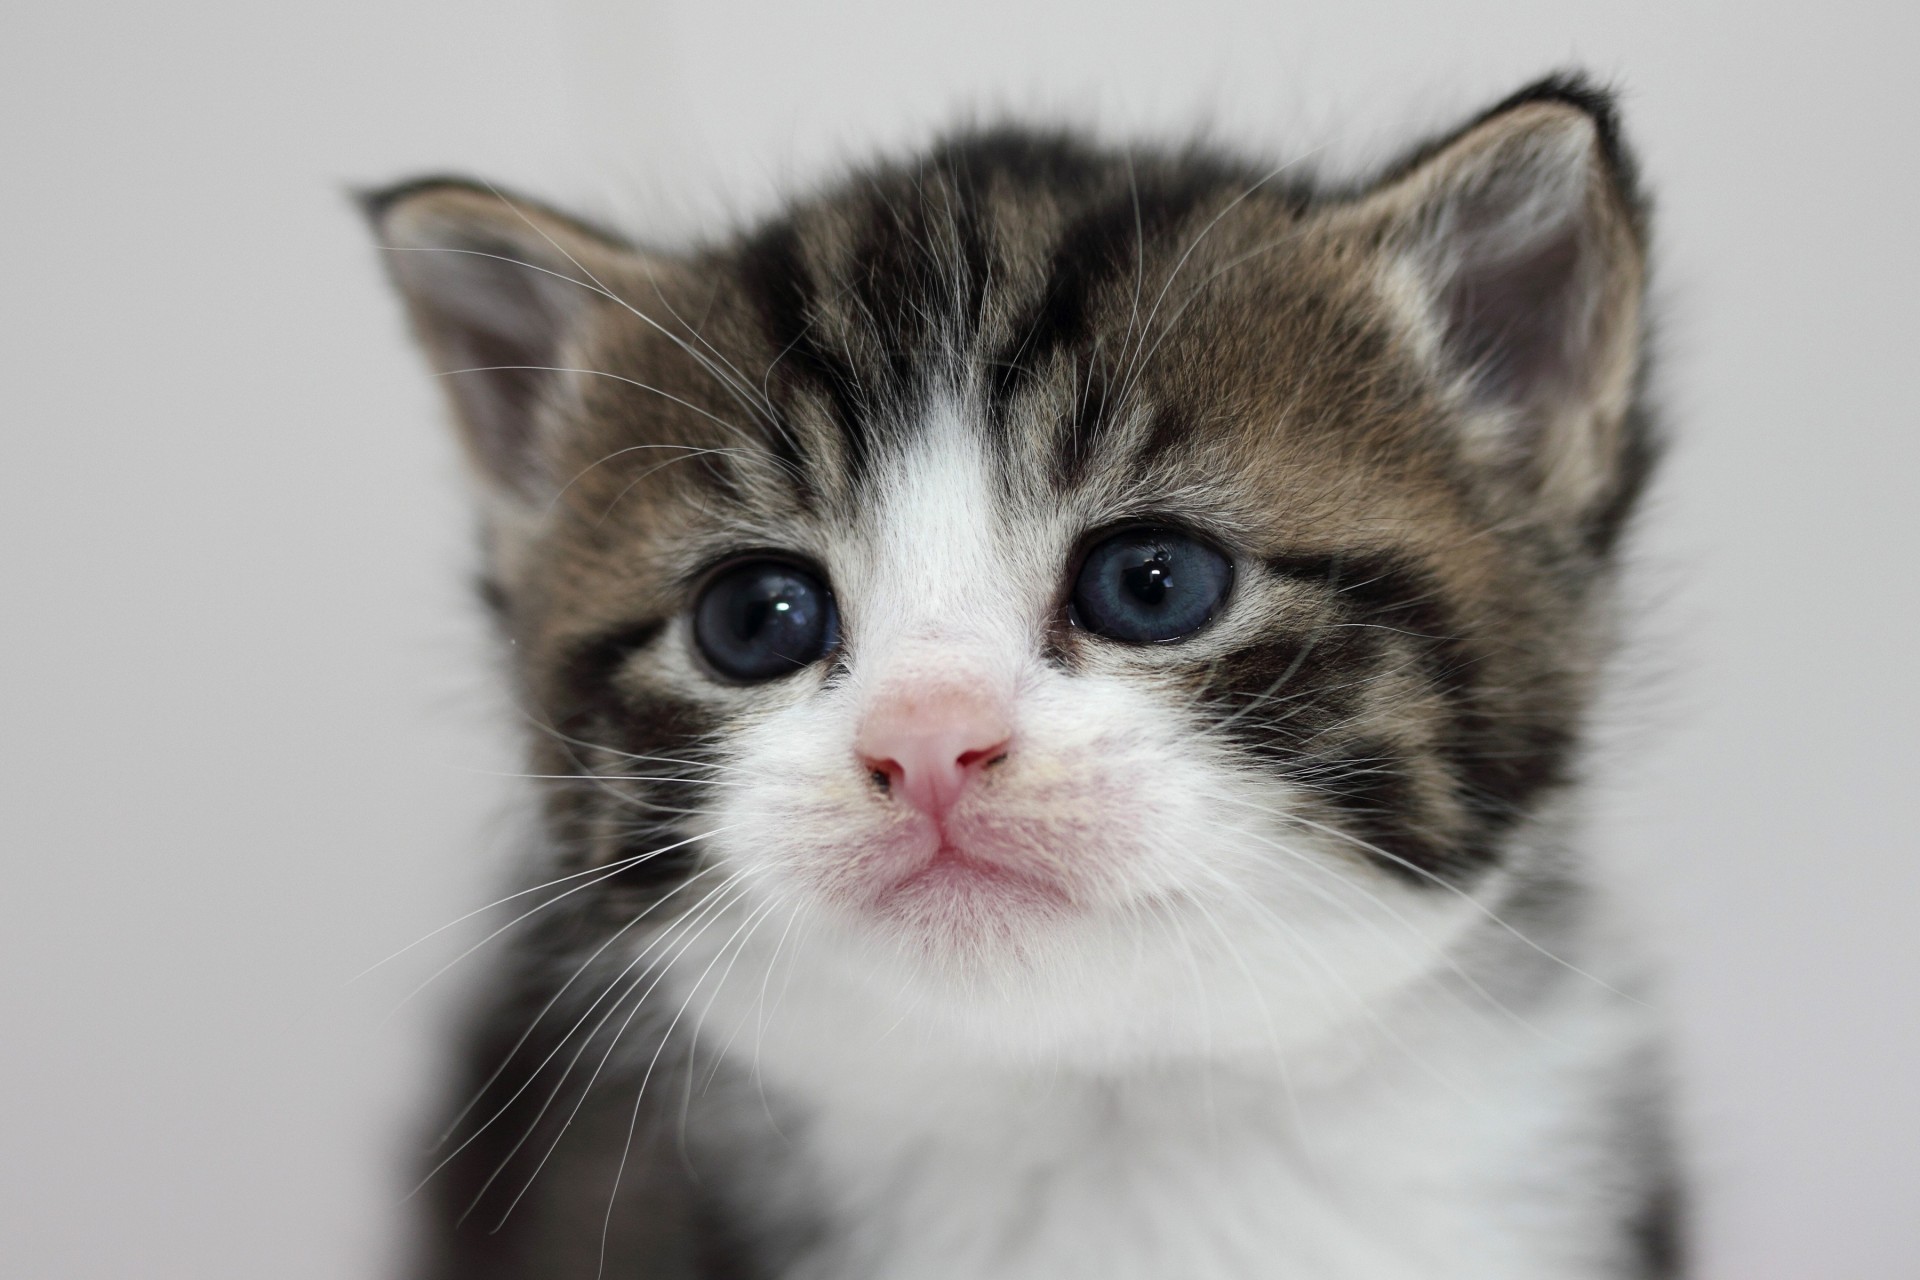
point(926, 746)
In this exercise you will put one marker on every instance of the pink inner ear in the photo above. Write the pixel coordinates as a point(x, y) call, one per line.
point(1515, 242)
point(1516, 322)
point(930, 743)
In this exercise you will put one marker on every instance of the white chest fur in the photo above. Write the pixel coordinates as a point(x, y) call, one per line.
point(1083, 1181)
point(1477, 1154)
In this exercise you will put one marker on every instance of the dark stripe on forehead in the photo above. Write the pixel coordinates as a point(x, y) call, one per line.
point(1171, 426)
point(1085, 428)
point(896, 283)
point(1104, 244)
point(774, 272)
point(1015, 163)
point(789, 454)
point(1119, 254)
point(975, 266)
point(1057, 318)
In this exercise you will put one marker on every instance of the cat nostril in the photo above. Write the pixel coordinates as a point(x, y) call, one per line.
point(930, 778)
point(925, 750)
point(990, 756)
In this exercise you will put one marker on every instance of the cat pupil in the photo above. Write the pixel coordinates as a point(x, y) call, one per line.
point(1150, 582)
point(755, 618)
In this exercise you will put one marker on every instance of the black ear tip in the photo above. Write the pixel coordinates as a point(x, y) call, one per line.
point(377, 202)
point(495, 204)
point(372, 202)
point(1598, 102)
point(1571, 88)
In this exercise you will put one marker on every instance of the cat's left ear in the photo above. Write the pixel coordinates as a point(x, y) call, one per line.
point(1515, 250)
point(503, 293)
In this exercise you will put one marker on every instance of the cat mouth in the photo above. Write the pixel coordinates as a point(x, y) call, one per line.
point(955, 875)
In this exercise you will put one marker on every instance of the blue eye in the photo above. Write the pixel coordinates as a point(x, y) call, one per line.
point(764, 619)
point(1147, 586)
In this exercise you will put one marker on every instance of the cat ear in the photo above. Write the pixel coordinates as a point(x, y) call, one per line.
point(1516, 250)
point(500, 291)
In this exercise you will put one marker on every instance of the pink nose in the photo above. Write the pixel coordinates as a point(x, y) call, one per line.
point(929, 744)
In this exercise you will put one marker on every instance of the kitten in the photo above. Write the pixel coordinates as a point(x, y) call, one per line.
point(1057, 676)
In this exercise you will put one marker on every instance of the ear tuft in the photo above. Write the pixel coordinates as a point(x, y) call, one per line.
point(498, 288)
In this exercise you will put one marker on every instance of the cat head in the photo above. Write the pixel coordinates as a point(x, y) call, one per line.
point(1067, 596)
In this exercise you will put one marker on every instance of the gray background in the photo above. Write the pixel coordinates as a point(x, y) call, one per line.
point(247, 723)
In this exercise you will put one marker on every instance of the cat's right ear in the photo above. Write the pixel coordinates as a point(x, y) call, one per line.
point(501, 292)
point(1515, 253)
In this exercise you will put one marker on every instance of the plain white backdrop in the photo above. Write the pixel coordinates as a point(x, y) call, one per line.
point(248, 737)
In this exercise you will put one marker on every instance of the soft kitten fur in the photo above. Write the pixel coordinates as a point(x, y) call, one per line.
point(1281, 964)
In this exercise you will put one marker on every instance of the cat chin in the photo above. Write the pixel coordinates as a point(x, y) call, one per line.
point(1034, 939)
point(954, 887)
point(1000, 994)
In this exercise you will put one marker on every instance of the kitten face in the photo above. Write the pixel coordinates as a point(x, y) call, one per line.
point(1188, 578)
